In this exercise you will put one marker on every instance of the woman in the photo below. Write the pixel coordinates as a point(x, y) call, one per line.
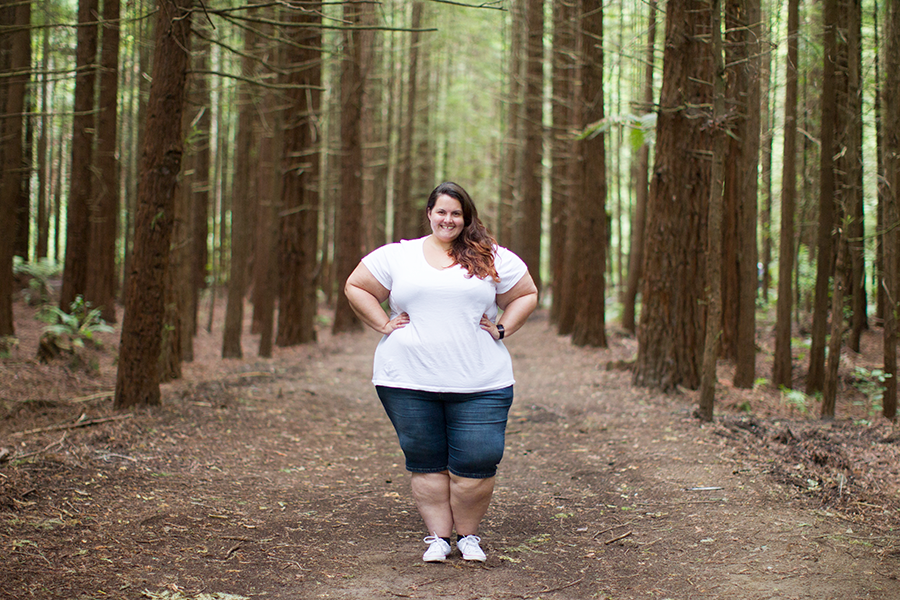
point(441, 371)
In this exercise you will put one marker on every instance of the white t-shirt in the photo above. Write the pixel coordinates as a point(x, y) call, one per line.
point(443, 348)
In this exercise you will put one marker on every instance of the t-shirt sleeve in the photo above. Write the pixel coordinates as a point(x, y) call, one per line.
point(509, 267)
point(378, 262)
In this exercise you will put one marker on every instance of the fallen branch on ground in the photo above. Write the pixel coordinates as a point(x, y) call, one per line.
point(82, 421)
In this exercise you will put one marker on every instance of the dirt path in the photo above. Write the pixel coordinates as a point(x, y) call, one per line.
point(282, 479)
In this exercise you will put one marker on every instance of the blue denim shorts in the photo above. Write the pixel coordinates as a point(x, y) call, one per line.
point(438, 431)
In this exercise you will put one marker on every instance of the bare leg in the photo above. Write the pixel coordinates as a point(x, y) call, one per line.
point(469, 501)
point(431, 491)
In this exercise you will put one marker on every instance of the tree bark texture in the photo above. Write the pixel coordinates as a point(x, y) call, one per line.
point(835, 340)
point(298, 226)
point(825, 242)
point(15, 47)
point(44, 162)
point(782, 365)
point(406, 219)
point(714, 255)
point(348, 224)
point(850, 164)
point(590, 223)
point(642, 184)
point(137, 379)
point(510, 184)
point(81, 188)
point(100, 284)
point(528, 229)
point(891, 103)
point(744, 33)
point(561, 145)
point(672, 323)
point(241, 207)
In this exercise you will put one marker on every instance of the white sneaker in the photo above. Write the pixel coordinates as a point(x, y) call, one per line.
point(470, 549)
point(438, 549)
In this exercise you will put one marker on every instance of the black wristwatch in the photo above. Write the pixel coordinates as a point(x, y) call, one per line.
point(501, 330)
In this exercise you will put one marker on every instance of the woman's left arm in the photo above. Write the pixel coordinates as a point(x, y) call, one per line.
point(517, 305)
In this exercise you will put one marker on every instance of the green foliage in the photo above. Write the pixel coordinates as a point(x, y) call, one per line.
point(796, 399)
point(7, 343)
point(75, 327)
point(39, 273)
point(872, 385)
point(641, 128)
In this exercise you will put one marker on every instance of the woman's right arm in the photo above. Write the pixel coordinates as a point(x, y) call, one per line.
point(366, 294)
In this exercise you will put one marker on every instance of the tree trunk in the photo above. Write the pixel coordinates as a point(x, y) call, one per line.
point(561, 146)
point(825, 243)
point(77, 213)
point(891, 129)
point(782, 362)
point(349, 221)
point(100, 283)
point(510, 184)
point(714, 255)
point(44, 157)
point(638, 221)
point(12, 90)
point(241, 202)
point(829, 389)
point(528, 231)
point(137, 379)
point(743, 22)
point(405, 217)
point(300, 199)
point(671, 333)
point(851, 165)
point(767, 126)
point(268, 188)
point(590, 224)
point(23, 201)
point(879, 267)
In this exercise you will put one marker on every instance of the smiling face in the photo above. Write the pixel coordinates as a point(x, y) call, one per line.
point(446, 219)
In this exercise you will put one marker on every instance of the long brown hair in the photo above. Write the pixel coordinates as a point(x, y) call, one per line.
point(473, 248)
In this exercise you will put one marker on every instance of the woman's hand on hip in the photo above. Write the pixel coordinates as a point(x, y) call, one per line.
point(398, 322)
point(490, 327)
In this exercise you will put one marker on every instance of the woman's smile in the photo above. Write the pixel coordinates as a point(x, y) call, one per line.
point(446, 219)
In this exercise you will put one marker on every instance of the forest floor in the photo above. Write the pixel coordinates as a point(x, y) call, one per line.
point(282, 479)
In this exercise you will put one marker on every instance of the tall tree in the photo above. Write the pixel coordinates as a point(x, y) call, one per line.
point(510, 179)
point(825, 243)
point(636, 251)
point(100, 281)
point(81, 189)
point(528, 233)
point(406, 219)
point(850, 165)
point(742, 24)
point(891, 153)
point(561, 148)
point(44, 161)
point(137, 378)
point(349, 221)
point(590, 224)
point(298, 229)
point(241, 204)
point(15, 61)
point(714, 255)
point(671, 332)
point(782, 363)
